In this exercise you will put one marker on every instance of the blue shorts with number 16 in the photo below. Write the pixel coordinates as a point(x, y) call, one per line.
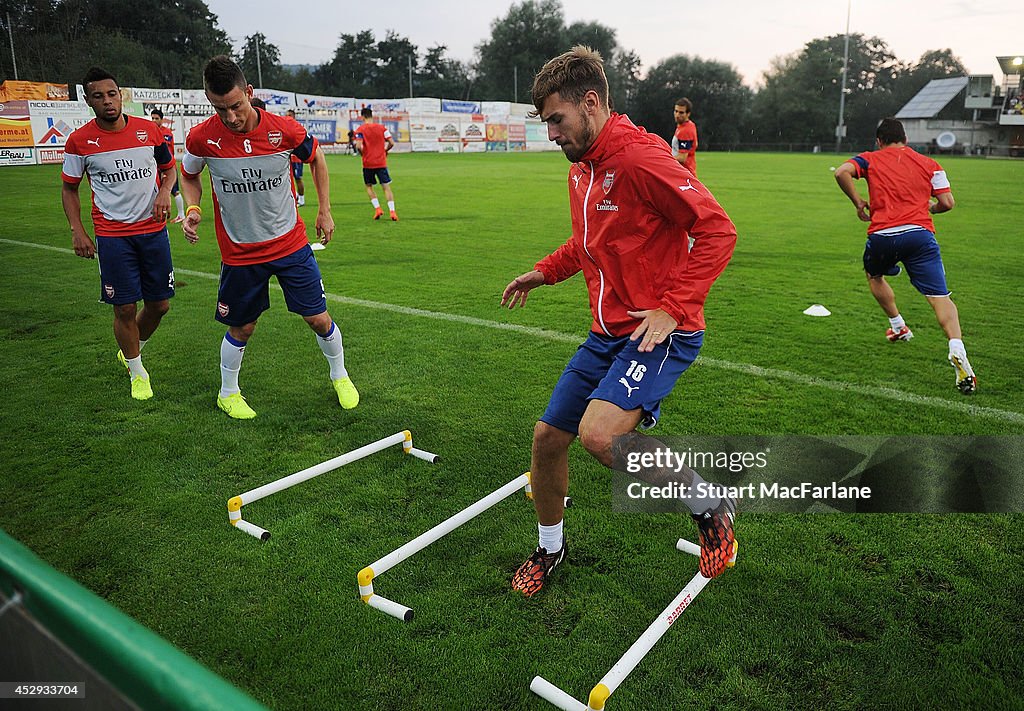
point(612, 369)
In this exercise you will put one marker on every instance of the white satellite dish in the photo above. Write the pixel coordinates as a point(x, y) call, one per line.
point(946, 140)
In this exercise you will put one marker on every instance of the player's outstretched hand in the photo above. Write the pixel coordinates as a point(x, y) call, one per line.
point(654, 328)
point(518, 289)
point(324, 226)
point(191, 225)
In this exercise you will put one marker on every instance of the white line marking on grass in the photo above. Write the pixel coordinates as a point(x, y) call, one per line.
point(745, 368)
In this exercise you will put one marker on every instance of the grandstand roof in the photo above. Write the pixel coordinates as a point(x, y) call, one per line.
point(933, 98)
point(1011, 65)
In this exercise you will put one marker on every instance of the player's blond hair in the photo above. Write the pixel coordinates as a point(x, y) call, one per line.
point(571, 76)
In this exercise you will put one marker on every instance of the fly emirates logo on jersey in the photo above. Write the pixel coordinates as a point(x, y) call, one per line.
point(251, 180)
point(124, 170)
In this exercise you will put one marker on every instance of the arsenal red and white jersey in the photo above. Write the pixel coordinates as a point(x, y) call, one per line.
point(255, 215)
point(123, 168)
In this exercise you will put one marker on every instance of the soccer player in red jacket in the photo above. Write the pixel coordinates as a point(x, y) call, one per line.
point(632, 207)
point(901, 184)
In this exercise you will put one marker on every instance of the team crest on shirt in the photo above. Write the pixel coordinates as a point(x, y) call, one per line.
point(108, 289)
point(142, 136)
point(275, 138)
point(609, 180)
point(222, 309)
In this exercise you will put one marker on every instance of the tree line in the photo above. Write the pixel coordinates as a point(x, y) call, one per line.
point(161, 43)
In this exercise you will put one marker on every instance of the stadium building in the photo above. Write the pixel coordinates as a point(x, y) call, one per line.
point(970, 115)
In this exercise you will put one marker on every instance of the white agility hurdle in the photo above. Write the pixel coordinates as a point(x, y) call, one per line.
point(629, 661)
point(379, 567)
point(235, 503)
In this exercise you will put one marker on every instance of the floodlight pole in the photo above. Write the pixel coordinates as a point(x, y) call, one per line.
point(515, 84)
point(10, 35)
point(259, 68)
point(842, 88)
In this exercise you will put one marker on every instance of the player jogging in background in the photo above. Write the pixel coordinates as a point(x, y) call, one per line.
point(259, 232)
point(374, 142)
point(901, 184)
point(158, 118)
point(632, 206)
point(130, 171)
point(684, 140)
point(300, 187)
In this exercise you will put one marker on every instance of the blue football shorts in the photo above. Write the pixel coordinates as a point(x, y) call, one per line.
point(297, 170)
point(244, 291)
point(135, 268)
point(370, 176)
point(612, 369)
point(919, 253)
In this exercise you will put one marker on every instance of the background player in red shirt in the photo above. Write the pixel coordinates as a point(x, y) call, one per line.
point(684, 140)
point(131, 171)
point(901, 184)
point(158, 118)
point(259, 232)
point(374, 141)
point(632, 207)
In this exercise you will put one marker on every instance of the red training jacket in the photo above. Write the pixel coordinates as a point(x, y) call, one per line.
point(632, 207)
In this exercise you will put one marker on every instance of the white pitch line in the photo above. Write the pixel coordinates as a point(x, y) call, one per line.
point(961, 406)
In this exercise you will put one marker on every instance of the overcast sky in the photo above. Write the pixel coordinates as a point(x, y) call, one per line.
point(744, 33)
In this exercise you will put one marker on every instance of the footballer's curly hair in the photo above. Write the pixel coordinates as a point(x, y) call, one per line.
point(571, 75)
point(221, 75)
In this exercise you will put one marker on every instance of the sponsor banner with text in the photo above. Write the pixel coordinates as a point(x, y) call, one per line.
point(275, 97)
point(48, 156)
point(312, 102)
point(17, 156)
point(53, 121)
point(15, 125)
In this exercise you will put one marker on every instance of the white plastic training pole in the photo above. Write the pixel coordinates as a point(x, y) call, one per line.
point(381, 566)
point(235, 503)
point(426, 456)
point(330, 465)
point(447, 526)
point(252, 529)
point(548, 691)
point(687, 547)
point(627, 663)
point(390, 607)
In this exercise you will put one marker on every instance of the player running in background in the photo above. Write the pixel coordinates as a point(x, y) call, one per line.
point(158, 118)
point(300, 188)
point(684, 140)
point(631, 206)
point(131, 171)
point(901, 183)
point(373, 142)
point(260, 234)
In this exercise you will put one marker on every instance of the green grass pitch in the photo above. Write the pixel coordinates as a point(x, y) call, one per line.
point(822, 611)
